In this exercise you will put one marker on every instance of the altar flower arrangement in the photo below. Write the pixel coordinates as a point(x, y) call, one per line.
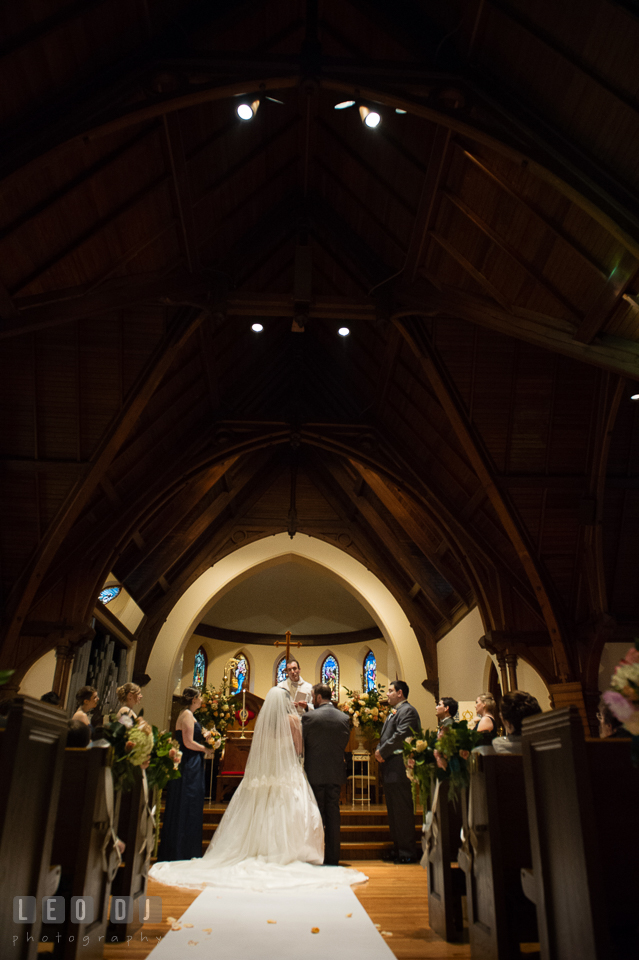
point(216, 712)
point(366, 711)
point(623, 699)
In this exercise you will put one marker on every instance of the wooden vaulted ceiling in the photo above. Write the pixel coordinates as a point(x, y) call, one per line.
point(471, 442)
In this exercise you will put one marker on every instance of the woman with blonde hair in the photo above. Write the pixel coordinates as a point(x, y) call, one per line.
point(129, 696)
point(486, 709)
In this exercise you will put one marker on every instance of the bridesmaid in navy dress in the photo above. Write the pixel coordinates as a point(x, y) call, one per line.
point(87, 701)
point(181, 837)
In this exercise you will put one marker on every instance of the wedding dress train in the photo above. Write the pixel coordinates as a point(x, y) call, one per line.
point(271, 835)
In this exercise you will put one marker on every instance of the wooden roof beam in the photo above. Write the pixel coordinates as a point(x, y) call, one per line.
point(471, 270)
point(79, 303)
point(181, 189)
point(378, 561)
point(168, 517)
point(141, 392)
point(390, 540)
point(610, 352)
point(158, 562)
point(492, 235)
point(609, 298)
point(425, 208)
point(479, 461)
point(126, 207)
point(366, 635)
point(527, 204)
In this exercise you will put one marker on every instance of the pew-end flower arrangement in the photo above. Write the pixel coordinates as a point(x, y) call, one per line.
point(421, 767)
point(365, 710)
point(452, 753)
point(131, 744)
point(439, 755)
point(165, 760)
point(623, 699)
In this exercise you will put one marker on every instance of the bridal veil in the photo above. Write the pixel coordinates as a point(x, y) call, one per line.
point(272, 830)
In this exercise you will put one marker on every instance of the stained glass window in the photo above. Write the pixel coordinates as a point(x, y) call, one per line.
point(330, 674)
point(280, 673)
point(108, 594)
point(241, 674)
point(370, 672)
point(199, 670)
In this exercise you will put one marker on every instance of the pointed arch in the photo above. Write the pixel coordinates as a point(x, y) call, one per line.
point(280, 669)
point(329, 674)
point(242, 673)
point(200, 668)
point(369, 672)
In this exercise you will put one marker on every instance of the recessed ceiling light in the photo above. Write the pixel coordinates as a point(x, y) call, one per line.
point(343, 331)
point(257, 327)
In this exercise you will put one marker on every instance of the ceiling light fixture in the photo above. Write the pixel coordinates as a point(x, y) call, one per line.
point(257, 327)
point(249, 103)
point(635, 396)
point(369, 117)
point(343, 331)
point(247, 108)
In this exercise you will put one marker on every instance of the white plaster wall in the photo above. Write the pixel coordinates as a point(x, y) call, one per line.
point(125, 608)
point(462, 662)
point(165, 665)
point(39, 678)
point(464, 666)
point(263, 660)
point(529, 680)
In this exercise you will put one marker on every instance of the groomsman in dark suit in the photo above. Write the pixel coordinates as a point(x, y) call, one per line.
point(402, 719)
point(326, 731)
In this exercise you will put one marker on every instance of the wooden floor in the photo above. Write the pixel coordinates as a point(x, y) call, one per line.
point(394, 897)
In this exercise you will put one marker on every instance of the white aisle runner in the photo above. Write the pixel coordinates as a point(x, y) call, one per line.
point(234, 925)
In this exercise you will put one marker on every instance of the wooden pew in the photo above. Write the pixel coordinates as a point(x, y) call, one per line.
point(496, 848)
point(84, 845)
point(583, 798)
point(445, 882)
point(136, 828)
point(31, 752)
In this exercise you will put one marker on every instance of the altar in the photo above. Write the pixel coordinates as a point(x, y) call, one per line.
point(239, 734)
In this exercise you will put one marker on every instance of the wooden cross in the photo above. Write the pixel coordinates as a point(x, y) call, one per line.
point(288, 644)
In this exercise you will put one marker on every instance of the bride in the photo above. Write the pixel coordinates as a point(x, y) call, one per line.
point(271, 833)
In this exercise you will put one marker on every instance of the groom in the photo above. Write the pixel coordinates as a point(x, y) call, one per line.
point(402, 719)
point(326, 732)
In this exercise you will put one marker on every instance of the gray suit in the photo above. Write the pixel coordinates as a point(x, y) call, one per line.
point(326, 731)
point(397, 789)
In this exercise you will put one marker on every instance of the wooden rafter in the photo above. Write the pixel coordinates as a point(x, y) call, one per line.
point(604, 305)
point(390, 540)
point(170, 549)
point(480, 463)
point(471, 270)
point(147, 382)
point(425, 208)
point(610, 352)
point(499, 241)
point(182, 190)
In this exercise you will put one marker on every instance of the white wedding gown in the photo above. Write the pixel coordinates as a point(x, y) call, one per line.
point(271, 835)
